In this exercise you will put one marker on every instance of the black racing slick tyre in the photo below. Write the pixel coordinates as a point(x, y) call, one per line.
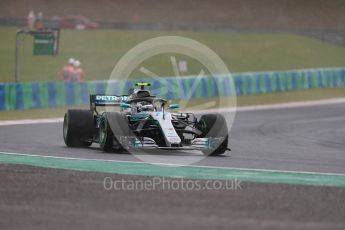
point(78, 128)
point(114, 126)
point(105, 134)
point(214, 126)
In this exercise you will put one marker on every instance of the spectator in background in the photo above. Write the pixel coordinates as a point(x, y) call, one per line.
point(78, 73)
point(39, 21)
point(67, 71)
point(31, 20)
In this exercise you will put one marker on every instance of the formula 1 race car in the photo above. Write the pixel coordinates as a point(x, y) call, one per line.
point(144, 122)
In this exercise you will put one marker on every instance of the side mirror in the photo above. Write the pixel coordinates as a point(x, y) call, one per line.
point(125, 106)
point(174, 106)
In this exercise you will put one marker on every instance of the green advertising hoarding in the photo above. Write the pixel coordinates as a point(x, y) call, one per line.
point(44, 44)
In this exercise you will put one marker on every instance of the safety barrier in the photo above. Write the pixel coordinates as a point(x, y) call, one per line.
point(54, 94)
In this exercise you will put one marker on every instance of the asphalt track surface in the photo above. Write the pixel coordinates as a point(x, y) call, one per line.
point(308, 139)
point(299, 139)
point(39, 198)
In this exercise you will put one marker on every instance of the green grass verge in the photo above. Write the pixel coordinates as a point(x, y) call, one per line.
point(274, 98)
point(99, 51)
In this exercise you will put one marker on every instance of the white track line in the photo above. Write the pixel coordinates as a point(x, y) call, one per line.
point(239, 109)
point(293, 104)
point(287, 105)
point(176, 165)
point(31, 121)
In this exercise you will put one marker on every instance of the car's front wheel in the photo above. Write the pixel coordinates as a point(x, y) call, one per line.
point(214, 127)
point(105, 135)
point(113, 128)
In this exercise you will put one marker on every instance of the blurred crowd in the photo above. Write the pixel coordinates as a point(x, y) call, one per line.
point(35, 22)
point(72, 71)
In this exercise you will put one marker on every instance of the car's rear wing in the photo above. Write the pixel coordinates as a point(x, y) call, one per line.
point(106, 100)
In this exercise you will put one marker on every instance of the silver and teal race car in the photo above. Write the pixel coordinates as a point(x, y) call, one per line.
point(144, 122)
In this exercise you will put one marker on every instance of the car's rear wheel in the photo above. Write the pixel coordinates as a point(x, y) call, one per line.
point(214, 126)
point(78, 128)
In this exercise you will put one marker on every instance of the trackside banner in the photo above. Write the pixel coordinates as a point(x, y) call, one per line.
point(29, 95)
